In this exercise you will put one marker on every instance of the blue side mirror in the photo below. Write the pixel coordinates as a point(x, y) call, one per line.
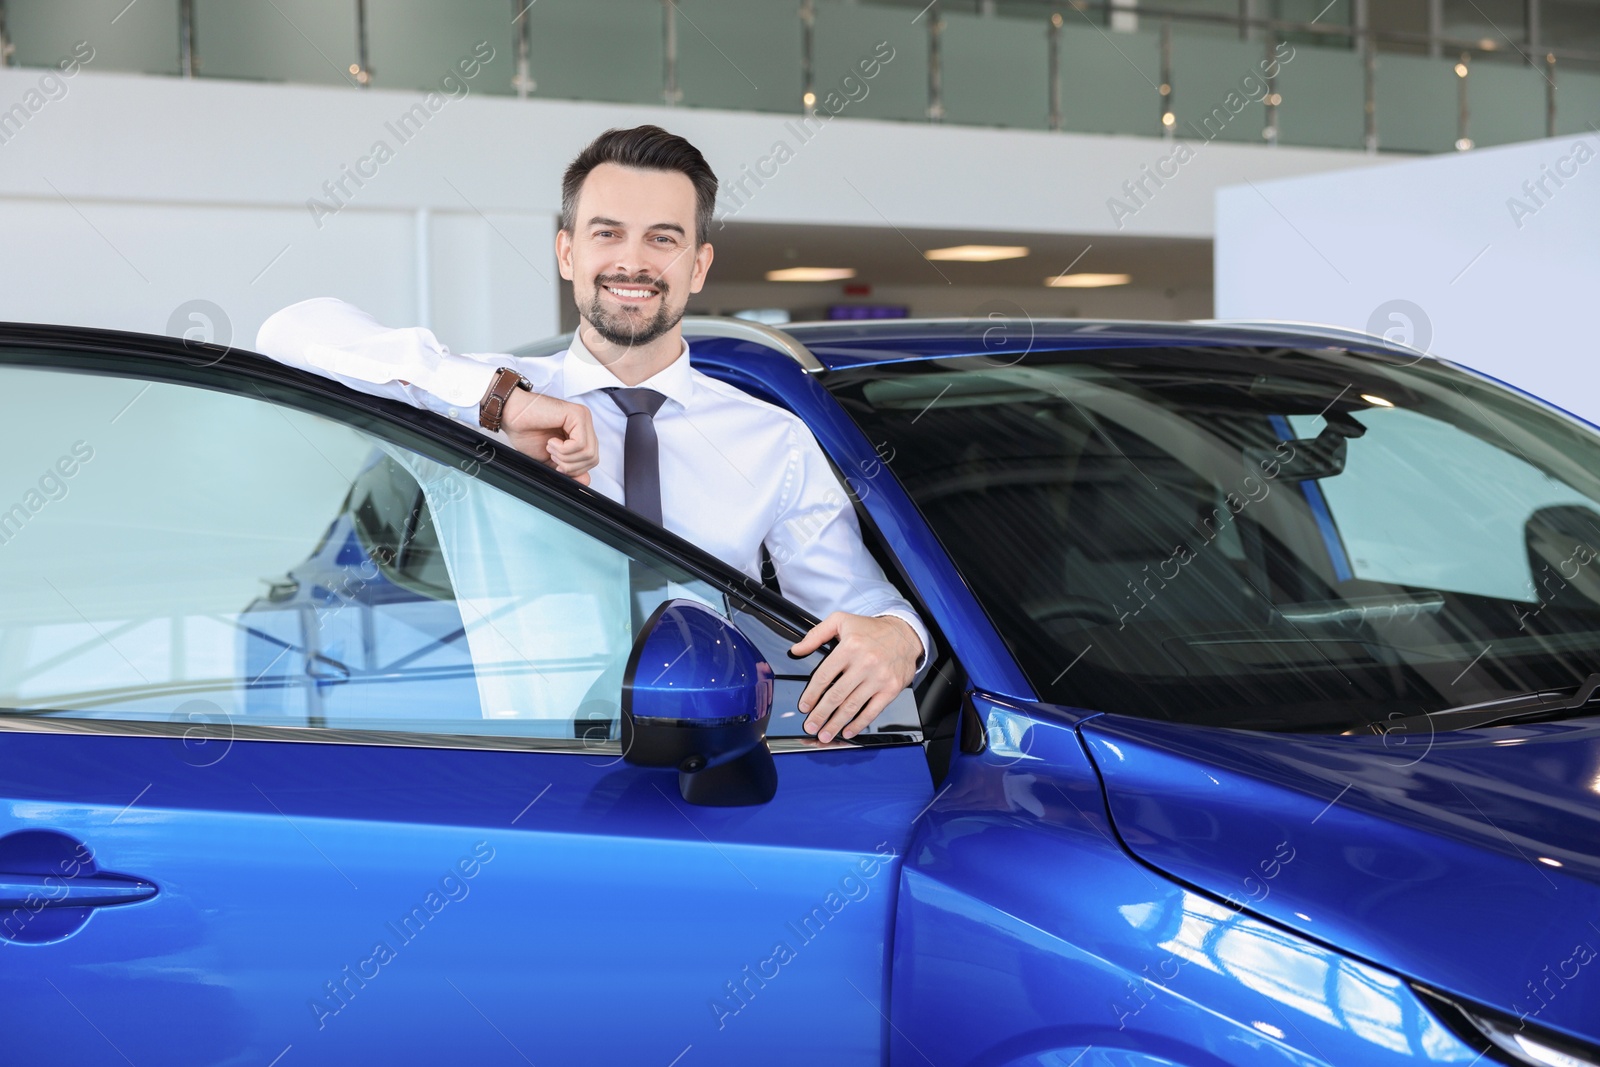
point(697, 695)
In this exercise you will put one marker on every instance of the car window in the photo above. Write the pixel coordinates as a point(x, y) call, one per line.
point(179, 554)
point(1273, 539)
point(1422, 502)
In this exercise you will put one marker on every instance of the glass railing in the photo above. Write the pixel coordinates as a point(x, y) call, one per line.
point(1190, 69)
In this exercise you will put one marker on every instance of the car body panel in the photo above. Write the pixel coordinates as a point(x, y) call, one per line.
point(1389, 847)
point(598, 896)
point(1019, 905)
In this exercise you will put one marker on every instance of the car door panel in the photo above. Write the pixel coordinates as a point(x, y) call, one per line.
point(312, 896)
point(603, 919)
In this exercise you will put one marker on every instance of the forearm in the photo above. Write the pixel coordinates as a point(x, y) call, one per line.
point(339, 341)
point(821, 560)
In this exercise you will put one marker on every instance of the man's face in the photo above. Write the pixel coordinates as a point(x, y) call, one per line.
point(631, 255)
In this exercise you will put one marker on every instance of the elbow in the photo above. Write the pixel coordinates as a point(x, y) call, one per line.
point(283, 335)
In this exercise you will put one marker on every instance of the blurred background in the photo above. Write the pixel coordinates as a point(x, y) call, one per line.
point(189, 166)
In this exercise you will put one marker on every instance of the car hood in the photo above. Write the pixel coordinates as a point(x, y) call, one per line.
point(1467, 861)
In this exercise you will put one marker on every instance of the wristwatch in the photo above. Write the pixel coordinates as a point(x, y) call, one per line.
point(492, 409)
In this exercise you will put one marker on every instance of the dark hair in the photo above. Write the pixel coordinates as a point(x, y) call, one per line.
point(647, 148)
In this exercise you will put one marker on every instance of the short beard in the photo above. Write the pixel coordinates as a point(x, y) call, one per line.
point(621, 332)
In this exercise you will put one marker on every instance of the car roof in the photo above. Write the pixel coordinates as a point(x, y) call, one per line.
point(844, 345)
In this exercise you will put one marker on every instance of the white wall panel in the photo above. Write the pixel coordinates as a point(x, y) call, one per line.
point(1438, 251)
point(201, 184)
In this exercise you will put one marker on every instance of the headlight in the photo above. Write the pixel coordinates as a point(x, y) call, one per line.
point(1514, 1040)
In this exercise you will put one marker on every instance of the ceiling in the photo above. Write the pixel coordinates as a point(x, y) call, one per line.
point(892, 257)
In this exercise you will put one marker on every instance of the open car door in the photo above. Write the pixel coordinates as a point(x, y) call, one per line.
point(295, 768)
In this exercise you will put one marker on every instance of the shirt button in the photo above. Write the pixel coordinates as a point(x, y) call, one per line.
point(452, 413)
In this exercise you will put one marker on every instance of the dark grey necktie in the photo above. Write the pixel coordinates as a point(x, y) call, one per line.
point(641, 455)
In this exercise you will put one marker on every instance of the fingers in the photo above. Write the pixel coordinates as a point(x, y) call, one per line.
point(564, 455)
point(814, 639)
point(824, 690)
point(558, 433)
point(815, 701)
point(857, 710)
point(577, 454)
point(864, 718)
point(875, 707)
point(837, 708)
point(581, 448)
point(578, 423)
point(858, 679)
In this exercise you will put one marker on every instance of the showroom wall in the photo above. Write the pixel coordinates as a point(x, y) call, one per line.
point(1486, 257)
point(127, 198)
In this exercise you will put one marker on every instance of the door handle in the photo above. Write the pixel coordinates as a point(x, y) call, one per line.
point(60, 891)
point(50, 885)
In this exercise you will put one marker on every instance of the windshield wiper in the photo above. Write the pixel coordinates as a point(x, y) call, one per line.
point(1541, 704)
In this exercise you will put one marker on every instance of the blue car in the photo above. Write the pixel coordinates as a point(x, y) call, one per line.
point(1258, 730)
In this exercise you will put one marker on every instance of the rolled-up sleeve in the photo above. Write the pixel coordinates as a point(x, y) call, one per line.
point(337, 340)
point(821, 561)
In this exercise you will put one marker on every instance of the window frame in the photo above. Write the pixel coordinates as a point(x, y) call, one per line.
point(241, 372)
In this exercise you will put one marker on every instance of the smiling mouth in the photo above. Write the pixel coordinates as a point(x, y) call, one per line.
point(629, 292)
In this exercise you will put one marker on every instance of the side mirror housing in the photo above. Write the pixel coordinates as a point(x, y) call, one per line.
point(697, 695)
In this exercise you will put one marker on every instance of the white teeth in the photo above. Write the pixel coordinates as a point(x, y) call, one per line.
point(629, 292)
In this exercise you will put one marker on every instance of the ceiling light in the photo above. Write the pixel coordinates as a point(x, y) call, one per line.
point(1087, 281)
point(1379, 401)
point(977, 253)
point(811, 274)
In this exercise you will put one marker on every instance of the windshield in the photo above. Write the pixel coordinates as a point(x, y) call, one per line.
point(1265, 539)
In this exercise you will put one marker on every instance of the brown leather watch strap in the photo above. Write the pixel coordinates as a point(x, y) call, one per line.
point(492, 409)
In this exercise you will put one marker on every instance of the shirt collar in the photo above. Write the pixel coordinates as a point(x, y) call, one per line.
point(582, 373)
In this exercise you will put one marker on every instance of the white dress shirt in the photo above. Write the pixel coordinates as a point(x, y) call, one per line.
point(736, 471)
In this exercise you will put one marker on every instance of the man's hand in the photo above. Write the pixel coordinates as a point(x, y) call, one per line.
point(875, 658)
point(557, 433)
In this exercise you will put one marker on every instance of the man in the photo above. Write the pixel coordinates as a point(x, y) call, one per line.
point(623, 412)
